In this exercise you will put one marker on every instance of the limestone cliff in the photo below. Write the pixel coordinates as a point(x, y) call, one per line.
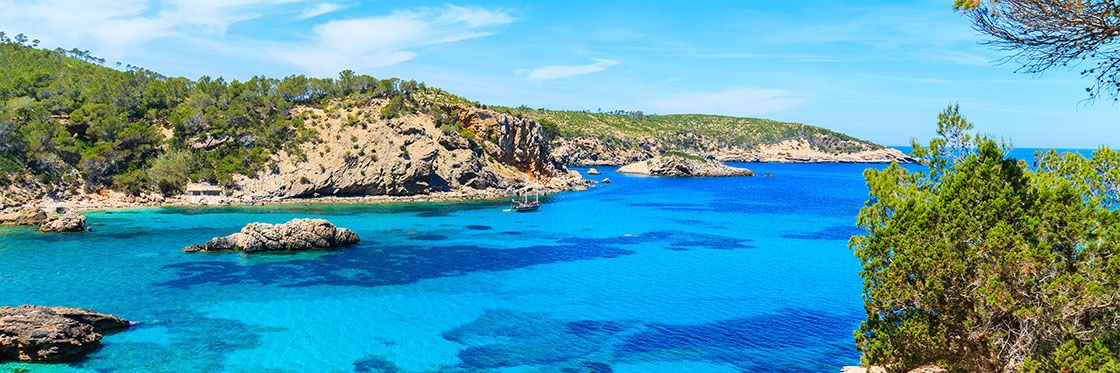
point(358, 153)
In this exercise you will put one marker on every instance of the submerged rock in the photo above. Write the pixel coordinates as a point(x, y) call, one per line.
point(23, 216)
point(295, 235)
point(69, 222)
point(677, 165)
point(37, 333)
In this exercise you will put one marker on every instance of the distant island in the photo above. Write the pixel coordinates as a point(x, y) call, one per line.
point(80, 134)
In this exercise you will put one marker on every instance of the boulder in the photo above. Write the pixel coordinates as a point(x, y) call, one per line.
point(606, 180)
point(593, 172)
point(295, 235)
point(69, 222)
point(677, 165)
point(37, 333)
point(23, 216)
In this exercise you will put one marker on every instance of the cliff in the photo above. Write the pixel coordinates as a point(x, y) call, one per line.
point(359, 153)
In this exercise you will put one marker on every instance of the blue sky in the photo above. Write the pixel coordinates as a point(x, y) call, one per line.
point(876, 70)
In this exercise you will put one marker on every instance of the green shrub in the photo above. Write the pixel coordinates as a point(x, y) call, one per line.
point(982, 264)
point(170, 171)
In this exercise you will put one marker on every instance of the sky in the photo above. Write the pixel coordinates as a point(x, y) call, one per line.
point(875, 70)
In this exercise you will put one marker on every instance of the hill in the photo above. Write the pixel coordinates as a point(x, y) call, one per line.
point(70, 126)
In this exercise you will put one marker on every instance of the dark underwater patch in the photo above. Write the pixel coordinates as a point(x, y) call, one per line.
point(370, 266)
point(503, 339)
point(838, 233)
point(372, 364)
point(477, 227)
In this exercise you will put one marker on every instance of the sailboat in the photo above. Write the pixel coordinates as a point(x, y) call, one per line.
point(525, 205)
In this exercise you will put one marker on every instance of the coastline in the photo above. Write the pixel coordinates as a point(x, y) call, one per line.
point(116, 200)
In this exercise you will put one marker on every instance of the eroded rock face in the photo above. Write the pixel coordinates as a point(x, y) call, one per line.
point(71, 221)
point(295, 235)
point(681, 166)
point(367, 155)
point(23, 216)
point(37, 334)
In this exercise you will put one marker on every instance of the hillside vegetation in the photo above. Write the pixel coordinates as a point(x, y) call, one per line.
point(62, 111)
point(632, 126)
point(69, 122)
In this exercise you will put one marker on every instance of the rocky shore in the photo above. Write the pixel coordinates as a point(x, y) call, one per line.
point(42, 334)
point(678, 165)
point(588, 151)
point(295, 235)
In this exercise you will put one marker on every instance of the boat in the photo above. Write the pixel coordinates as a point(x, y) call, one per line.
point(525, 205)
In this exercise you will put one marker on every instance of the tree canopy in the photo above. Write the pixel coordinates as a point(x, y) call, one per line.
point(983, 263)
point(1044, 34)
point(62, 110)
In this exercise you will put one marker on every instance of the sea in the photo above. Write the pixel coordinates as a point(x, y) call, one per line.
point(644, 274)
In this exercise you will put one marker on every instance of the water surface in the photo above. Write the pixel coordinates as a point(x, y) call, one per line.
point(644, 274)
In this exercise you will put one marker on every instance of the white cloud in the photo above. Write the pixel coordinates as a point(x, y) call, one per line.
point(321, 9)
point(551, 72)
point(388, 40)
point(115, 26)
point(738, 101)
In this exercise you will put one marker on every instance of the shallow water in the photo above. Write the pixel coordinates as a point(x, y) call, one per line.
point(644, 274)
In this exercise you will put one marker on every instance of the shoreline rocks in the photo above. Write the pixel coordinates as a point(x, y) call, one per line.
point(295, 235)
point(39, 334)
point(71, 221)
point(675, 165)
point(23, 216)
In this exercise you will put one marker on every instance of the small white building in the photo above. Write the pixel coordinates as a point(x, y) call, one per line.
point(204, 194)
point(203, 190)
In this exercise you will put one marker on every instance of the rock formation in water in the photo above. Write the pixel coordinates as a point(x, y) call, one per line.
point(39, 334)
point(23, 216)
point(295, 235)
point(71, 221)
point(678, 165)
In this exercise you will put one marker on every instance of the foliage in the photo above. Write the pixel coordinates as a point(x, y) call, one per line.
point(1045, 34)
point(982, 263)
point(170, 171)
point(684, 130)
point(679, 154)
point(61, 110)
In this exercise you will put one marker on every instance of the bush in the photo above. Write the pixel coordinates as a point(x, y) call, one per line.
point(982, 264)
point(170, 171)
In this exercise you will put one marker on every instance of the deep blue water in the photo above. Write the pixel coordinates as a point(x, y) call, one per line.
point(645, 274)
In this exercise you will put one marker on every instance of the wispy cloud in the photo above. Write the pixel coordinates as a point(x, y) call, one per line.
point(321, 9)
point(552, 72)
point(390, 39)
point(737, 101)
point(114, 26)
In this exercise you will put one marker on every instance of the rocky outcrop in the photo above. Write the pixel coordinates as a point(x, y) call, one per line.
point(361, 154)
point(39, 334)
point(878, 369)
point(295, 235)
point(673, 165)
point(589, 151)
point(71, 221)
point(23, 216)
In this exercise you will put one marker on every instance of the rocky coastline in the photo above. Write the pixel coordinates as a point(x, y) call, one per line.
point(43, 334)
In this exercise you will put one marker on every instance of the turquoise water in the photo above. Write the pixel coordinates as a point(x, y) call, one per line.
point(641, 275)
